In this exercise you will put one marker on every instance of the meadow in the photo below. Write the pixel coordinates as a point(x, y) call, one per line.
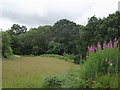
point(29, 72)
point(62, 55)
point(98, 70)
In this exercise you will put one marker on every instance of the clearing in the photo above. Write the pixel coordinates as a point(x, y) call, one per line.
point(28, 72)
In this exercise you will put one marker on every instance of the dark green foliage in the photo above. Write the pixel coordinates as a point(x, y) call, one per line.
point(55, 81)
point(64, 37)
point(65, 80)
point(73, 80)
point(16, 45)
point(35, 50)
point(77, 59)
point(55, 48)
point(66, 33)
point(6, 45)
point(17, 29)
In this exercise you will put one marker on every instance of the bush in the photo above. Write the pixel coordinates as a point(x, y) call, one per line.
point(55, 81)
point(66, 80)
point(73, 80)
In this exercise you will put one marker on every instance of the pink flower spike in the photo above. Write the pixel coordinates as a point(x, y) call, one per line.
point(108, 45)
point(95, 48)
point(116, 41)
point(114, 44)
point(90, 49)
point(86, 56)
point(109, 62)
point(110, 41)
point(111, 45)
point(99, 45)
point(104, 44)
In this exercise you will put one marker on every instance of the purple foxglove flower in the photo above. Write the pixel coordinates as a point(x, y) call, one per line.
point(110, 41)
point(111, 45)
point(99, 45)
point(116, 41)
point(95, 48)
point(108, 44)
point(104, 44)
point(90, 50)
point(86, 56)
point(114, 44)
point(109, 62)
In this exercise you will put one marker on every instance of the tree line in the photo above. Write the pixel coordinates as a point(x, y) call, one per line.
point(64, 37)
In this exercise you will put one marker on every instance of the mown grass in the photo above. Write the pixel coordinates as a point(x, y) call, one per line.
point(29, 72)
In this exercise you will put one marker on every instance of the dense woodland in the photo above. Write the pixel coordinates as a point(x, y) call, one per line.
point(64, 37)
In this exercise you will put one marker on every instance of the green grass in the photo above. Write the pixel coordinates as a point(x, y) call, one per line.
point(29, 72)
point(109, 80)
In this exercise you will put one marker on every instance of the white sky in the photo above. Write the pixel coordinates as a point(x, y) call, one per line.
point(33, 13)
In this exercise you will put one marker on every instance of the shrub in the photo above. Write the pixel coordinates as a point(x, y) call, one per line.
point(54, 81)
point(66, 80)
point(73, 80)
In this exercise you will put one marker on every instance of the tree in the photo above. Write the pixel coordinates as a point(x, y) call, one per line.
point(17, 29)
point(66, 32)
point(6, 45)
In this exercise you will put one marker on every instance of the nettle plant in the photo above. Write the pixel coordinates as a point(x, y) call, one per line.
point(101, 60)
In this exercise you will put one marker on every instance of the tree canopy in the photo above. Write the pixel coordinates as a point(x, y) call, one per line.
point(63, 37)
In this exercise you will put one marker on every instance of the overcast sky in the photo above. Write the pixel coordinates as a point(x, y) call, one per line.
point(33, 13)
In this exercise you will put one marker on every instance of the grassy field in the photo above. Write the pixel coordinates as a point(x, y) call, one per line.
point(28, 72)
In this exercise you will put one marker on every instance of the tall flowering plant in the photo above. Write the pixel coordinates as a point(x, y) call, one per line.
point(105, 45)
point(101, 60)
